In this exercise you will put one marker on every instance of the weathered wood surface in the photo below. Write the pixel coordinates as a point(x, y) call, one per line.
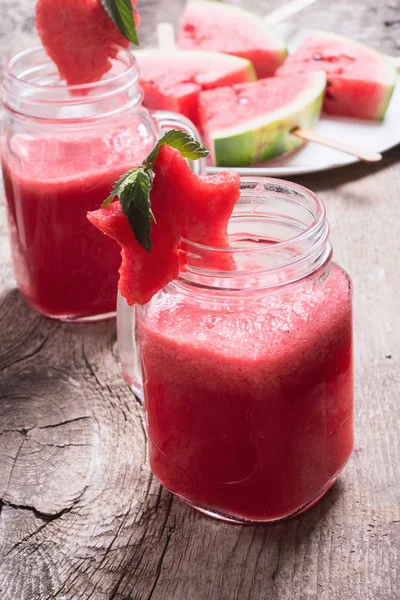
point(82, 517)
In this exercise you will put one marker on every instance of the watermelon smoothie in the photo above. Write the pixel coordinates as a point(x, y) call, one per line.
point(62, 150)
point(64, 267)
point(247, 374)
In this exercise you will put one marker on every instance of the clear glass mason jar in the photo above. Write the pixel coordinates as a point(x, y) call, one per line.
point(62, 149)
point(247, 362)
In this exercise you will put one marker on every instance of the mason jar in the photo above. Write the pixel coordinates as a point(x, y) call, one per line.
point(62, 149)
point(245, 362)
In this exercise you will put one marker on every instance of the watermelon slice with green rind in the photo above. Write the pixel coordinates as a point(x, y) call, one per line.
point(80, 38)
point(250, 123)
point(184, 206)
point(360, 80)
point(222, 27)
point(173, 80)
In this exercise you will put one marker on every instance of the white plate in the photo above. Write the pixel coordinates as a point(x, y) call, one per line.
point(374, 136)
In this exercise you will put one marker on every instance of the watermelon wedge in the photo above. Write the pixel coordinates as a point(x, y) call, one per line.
point(360, 79)
point(184, 205)
point(79, 37)
point(225, 28)
point(249, 123)
point(173, 80)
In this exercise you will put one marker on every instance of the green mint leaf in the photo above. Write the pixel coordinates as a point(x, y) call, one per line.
point(119, 186)
point(187, 146)
point(121, 12)
point(134, 187)
point(135, 201)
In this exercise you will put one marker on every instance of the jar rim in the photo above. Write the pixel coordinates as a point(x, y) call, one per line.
point(33, 90)
point(318, 222)
point(283, 235)
point(14, 61)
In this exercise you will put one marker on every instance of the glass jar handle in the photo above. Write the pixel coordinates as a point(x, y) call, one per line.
point(171, 120)
point(128, 339)
point(128, 346)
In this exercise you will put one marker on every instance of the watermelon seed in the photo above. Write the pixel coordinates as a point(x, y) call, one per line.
point(317, 57)
point(243, 101)
point(390, 23)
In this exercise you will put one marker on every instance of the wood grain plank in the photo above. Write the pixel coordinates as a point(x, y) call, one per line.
point(82, 518)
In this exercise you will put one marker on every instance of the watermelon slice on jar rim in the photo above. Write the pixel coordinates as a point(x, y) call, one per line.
point(184, 205)
point(79, 37)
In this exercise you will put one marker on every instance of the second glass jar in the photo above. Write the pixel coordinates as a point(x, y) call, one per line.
point(247, 362)
point(63, 148)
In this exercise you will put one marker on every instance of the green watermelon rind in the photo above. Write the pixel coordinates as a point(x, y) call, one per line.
point(185, 55)
point(390, 69)
point(262, 138)
point(253, 19)
point(385, 102)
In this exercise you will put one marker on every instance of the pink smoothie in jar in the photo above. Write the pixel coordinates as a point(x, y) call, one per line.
point(62, 150)
point(64, 267)
point(253, 418)
point(248, 375)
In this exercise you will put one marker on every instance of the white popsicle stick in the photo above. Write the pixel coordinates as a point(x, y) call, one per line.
point(312, 136)
point(287, 10)
point(166, 36)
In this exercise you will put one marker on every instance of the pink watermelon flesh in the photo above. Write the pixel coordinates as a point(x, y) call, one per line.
point(174, 80)
point(360, 80)
point(79, 37)
point(184, 205)
point(220, 27)
point(230, 106)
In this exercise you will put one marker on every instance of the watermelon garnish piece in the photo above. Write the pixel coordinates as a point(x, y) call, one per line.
point(250, 123)
point(222, 27)
point(80, 37)
point(142, 273)
point(184, 205)
point(174, 80)
point(360, 80)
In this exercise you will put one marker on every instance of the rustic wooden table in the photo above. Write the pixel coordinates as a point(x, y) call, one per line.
point(82, 517)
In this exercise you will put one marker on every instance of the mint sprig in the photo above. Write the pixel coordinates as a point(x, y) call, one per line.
point(134, 187)
point(187, 146)
point(121, 12)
